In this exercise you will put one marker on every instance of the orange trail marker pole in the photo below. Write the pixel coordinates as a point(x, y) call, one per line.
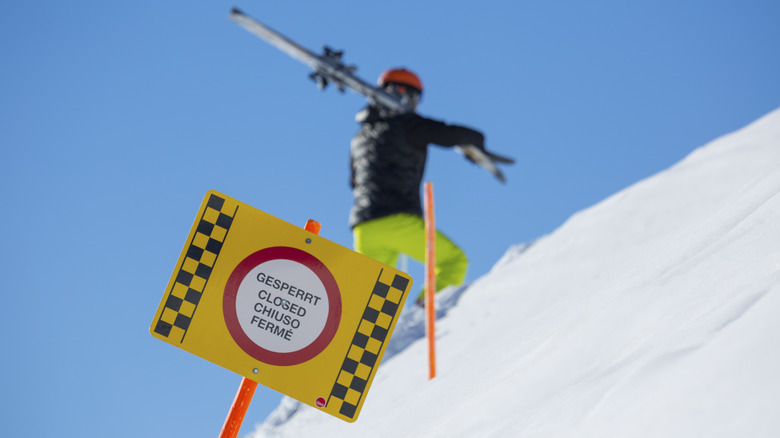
point(247, 389)
point(430, 279)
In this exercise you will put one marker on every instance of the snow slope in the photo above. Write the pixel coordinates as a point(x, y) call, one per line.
point(655, 313)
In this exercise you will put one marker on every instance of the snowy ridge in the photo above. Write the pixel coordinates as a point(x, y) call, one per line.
point(652, 313)
point(409, 328)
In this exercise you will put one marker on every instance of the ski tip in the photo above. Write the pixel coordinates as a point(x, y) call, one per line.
point(500, 158)
point(498, 174)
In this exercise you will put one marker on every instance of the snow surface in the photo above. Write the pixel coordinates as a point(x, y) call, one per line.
point(655, 313)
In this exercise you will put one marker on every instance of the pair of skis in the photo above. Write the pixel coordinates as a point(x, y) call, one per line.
point(329, 69)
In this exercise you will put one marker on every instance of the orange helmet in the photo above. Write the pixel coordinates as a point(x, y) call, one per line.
point(400, 76)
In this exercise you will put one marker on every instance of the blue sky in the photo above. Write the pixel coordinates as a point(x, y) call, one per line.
point(116, 119)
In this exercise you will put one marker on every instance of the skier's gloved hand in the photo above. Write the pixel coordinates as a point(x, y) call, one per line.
point(466, 151)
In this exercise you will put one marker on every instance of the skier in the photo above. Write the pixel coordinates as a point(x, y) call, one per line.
point(388, 157)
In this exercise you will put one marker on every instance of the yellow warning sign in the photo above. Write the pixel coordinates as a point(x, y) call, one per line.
point(281, 306)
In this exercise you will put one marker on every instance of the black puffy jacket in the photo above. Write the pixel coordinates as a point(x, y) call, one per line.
point(388, 160)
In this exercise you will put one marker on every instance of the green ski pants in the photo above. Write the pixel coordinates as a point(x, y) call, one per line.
point(385, 238)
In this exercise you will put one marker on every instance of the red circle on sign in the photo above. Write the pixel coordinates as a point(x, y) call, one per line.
point(320, 402)
point(231, 317)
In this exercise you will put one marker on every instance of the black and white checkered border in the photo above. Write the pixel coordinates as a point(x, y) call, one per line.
point(382, 308)
point(193, 274)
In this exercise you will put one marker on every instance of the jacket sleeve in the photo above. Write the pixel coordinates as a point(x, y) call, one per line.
point(424, 130)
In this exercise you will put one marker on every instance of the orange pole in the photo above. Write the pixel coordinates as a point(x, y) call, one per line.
point(430, 277)
point(238, 409)
point(247, 389)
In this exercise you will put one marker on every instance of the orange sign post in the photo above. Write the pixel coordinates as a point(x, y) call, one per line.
point(238, 409)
